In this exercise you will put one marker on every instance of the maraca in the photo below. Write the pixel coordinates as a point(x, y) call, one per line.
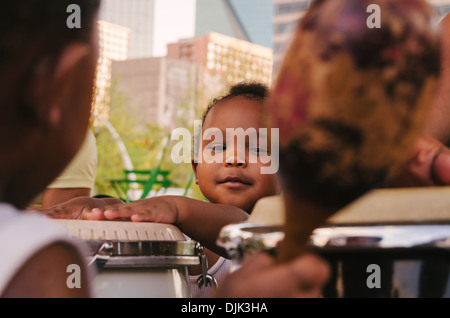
point(350, 100)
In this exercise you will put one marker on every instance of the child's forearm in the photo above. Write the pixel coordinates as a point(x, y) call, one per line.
point(202, 221)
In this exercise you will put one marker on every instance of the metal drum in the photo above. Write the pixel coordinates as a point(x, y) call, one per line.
point(381, 246)
point(138, 260)
point(245, 239)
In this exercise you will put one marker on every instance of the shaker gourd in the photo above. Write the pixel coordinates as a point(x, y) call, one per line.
point(350, 100)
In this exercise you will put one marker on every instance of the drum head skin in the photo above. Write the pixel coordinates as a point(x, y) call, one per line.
point(121, 230)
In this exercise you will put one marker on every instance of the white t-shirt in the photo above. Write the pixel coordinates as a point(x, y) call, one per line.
point(219, 271)
point(22, 234)
point(82, 170)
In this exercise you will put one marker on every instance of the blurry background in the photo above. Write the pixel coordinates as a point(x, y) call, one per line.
point(162, 61)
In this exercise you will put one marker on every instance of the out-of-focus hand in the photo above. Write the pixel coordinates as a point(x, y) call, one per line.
point(77, 208)
point(429, 165)
point(156, 209)
point(262, 277)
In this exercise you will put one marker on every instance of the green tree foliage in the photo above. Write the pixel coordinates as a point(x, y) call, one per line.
point(143, 145)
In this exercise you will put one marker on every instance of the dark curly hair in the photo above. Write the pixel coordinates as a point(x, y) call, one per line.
point(251, 90)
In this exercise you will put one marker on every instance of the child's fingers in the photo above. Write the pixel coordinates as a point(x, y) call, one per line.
point(138, 218)
point(109, 213)
point(304, 276)
point(115, 213)
point(158, 213)
point(257, 262)
point(94, 214)
point(104, 213)
point(128, 213)
point(310, 271)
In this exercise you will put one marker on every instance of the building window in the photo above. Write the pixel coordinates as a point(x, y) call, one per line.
point(291, 7)
point(287, 27)
point(442, 10)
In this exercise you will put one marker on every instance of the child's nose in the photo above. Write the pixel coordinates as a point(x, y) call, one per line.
point(234, 160)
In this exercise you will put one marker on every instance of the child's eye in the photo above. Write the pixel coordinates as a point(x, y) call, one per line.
point(216, 147)
point(258, 150)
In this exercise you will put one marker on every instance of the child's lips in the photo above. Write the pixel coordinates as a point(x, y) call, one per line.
point(235, 182)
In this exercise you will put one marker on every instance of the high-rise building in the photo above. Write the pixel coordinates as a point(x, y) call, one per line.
point(225, 60)
point(442, 7)
point(136, 15)
point(113, 46)
point(249, 20)
point(287, 14)
point(153, 23)
point(158, 90)
point(165, 90)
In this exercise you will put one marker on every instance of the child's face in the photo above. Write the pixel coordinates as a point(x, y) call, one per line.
point(234, 181)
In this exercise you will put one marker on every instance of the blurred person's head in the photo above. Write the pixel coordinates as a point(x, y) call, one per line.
point(350, 99)
point(235, 178)
point(47, 75)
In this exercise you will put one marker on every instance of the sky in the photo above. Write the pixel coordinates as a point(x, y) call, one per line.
point(175, 20)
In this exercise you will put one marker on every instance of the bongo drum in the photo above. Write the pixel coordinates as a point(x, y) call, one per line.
point(139, 260)
point(390, 243)
point(245, 239)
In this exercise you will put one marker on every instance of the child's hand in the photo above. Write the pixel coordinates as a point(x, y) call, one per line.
point(201, 221)
point(76, 208)
point(260, 276)
point(429, 165)
point(157, 209)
